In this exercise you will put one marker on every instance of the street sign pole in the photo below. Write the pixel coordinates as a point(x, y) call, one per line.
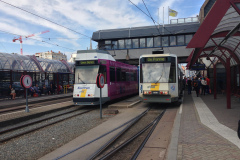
point(27, 109)
point(101, 103)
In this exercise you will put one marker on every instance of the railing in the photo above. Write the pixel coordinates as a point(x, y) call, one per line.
point(184, 20)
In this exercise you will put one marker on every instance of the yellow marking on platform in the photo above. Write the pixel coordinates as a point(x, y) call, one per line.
point(155, 86)
point(83, 93)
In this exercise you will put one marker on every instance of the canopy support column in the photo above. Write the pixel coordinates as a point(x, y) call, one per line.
point(228, 90)
point(215, 80)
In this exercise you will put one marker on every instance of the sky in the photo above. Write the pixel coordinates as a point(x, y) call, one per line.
point(71, 23)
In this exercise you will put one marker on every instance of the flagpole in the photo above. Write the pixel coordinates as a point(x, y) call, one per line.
point(163, 22)
point(168, 14)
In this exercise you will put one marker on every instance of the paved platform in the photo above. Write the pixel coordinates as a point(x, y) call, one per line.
point(205, 129)
point(22, 113)
point(126, 103)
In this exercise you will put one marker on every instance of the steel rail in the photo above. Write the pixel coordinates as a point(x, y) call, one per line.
point(34, 129)
point(134, 157)
point(102, 135)
point(34, 122)
point(4, 110)
point(112, 152)
point(114, 138)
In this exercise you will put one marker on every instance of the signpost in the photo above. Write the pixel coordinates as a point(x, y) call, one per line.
point(100, 84)
point(26, 82)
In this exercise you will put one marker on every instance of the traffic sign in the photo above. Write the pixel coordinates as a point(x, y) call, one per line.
point(100, 81)
point(26, 81)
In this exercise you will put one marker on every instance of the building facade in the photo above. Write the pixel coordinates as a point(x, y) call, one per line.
point(51, 55)
point(128, 44)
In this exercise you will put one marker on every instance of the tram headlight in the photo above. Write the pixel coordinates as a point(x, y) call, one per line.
point(147, 92)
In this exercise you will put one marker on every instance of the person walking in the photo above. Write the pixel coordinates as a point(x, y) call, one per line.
point(196, 85)
point(184, 83)
point(12, 92)
point(189, 83)
point(203, 85)
point(208, 84)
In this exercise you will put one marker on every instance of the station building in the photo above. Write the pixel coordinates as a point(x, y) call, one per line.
point(128, 44)
point(42, 71)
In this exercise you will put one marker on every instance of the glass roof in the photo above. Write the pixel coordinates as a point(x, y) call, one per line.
point(229, 21)
point(16, 62)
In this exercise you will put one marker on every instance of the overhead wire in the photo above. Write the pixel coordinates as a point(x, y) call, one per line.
point(44, 18)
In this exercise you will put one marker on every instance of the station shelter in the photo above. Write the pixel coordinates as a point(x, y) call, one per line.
point(42, 72)
point(218, 40)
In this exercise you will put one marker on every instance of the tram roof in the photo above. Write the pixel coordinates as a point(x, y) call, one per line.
point(16, 62)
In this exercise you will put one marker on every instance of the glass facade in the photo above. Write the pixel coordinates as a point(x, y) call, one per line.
point(150, 42)
point(165, 41)
point(135, 43)
point(128, 43)
point(121, 44)
point(142, 42)
point(172, 41)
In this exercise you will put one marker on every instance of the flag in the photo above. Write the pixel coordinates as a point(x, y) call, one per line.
point(172, 13)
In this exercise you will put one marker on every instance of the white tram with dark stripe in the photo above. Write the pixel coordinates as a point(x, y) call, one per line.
point(159, 78)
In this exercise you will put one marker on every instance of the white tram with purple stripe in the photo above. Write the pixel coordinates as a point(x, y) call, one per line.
point(120, 78)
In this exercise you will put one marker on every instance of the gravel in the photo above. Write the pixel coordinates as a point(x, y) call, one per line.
point(39, 143)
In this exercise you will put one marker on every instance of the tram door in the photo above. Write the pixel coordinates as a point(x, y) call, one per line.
point(112, 84)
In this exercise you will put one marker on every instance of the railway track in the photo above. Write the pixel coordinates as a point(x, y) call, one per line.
point(33, 125)
point(124, 137)
point(35, 105)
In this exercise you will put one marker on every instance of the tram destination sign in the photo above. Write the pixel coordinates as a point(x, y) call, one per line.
point(88, 62)
point(156, 59)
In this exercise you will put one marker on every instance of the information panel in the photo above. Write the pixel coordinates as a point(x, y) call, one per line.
point(88, 62)
point(156, 59)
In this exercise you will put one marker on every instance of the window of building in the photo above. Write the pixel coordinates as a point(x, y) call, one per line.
point(128, 43)
point(165, 41)
point(114, 45)
point(108, 44)
point(112, 74)
point(172, 41)
point(135, 43)
point(121, 44)
point(150, 42)
point(188, 38)
point(180, 40)
point(157, 41)
point(142, 42)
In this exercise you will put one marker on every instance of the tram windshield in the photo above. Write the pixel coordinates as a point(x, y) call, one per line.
point(86, 74)
point(158, 72)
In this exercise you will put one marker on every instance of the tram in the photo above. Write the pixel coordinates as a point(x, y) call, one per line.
point(120, 78)
point(159, 78)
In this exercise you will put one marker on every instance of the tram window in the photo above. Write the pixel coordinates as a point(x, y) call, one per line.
point(118, 74)
point(123, 75)
point(103, 70)
point(172, 75)
point(115, 46)
point(112, 74)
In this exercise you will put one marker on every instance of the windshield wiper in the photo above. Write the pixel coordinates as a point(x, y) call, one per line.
point(161, 75)
point(80, 79)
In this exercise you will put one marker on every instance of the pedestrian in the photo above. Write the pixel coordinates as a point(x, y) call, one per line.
point(196, 85)
point(203, 85)
point(208, 84)
point(12, 92)
point(189, 83)
point(37, 90)
point(184, 83)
